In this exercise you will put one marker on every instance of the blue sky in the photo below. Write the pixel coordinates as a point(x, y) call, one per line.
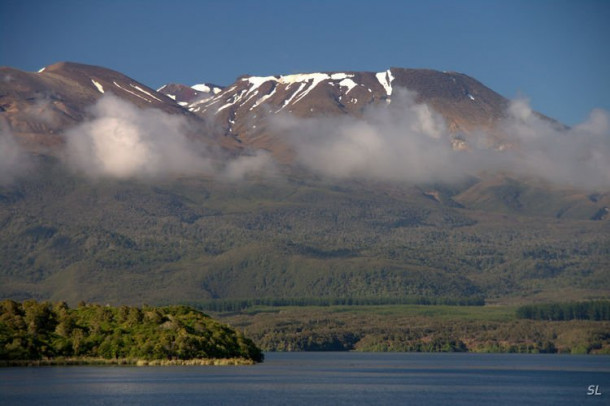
point(555, 53)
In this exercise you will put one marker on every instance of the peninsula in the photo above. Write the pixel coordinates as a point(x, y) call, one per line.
point(42, 333)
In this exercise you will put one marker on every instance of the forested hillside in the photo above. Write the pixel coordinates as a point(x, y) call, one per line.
point(198, 239)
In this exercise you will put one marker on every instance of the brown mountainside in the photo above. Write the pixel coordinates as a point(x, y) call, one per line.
point(38, 107)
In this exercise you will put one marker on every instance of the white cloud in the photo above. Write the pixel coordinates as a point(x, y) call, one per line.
point(577, 156)
point(14, 161)
point(409, 142)
point(124, 141)
point(403, 141)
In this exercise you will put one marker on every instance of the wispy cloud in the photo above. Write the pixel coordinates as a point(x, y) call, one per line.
point(257, 164)
point(577, 156)
point(14, 161)
point(403, 141)
point(409, 142)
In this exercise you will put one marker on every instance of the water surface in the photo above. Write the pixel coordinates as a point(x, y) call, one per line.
point(324, 379)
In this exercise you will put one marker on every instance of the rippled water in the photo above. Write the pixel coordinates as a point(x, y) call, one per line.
point(324, 379)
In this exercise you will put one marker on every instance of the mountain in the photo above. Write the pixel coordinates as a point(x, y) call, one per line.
point(39, 107)
point(242, 108)
point(256, 219)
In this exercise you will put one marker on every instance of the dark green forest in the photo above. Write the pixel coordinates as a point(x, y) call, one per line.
point(193, 240)
point(416, 328)
point(594, 310)
point(235, 305)
point(53, 331)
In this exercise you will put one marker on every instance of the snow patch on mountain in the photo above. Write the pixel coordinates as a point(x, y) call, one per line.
point(263, 99)
point(347, 82)
point(306, 83)
point(315, 80)
point(257, 81)
point(130, 92)
point(145, 92)
point(340, 76)
point(202, 87)
point(385, 79)
point(99, 87)
point(287, 102)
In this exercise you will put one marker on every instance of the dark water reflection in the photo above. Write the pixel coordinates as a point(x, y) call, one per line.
point(324, 379)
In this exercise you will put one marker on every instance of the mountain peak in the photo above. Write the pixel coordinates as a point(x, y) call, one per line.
point(185, 95)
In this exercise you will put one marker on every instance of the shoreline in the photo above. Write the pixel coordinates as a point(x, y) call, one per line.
point(87, 361)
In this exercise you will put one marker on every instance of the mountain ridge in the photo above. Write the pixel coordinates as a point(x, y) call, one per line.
point(242, 107)
point(62, 81)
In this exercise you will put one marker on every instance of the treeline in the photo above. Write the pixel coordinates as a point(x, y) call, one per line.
point(418, 329)
point(235, 305)
point(41, 330)
point(594, 310)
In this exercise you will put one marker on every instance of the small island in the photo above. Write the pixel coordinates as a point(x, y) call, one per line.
point(44, 333)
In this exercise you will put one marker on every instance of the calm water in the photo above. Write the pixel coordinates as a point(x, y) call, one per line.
point(324, 379)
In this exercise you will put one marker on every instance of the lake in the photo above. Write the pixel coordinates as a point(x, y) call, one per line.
point(347, 378)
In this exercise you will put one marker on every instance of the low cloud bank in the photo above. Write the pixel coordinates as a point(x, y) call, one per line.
point(406, 141)
point(124, 141)
point(402, 141)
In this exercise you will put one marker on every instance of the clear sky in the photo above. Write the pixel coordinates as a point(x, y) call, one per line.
point(556, 53)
